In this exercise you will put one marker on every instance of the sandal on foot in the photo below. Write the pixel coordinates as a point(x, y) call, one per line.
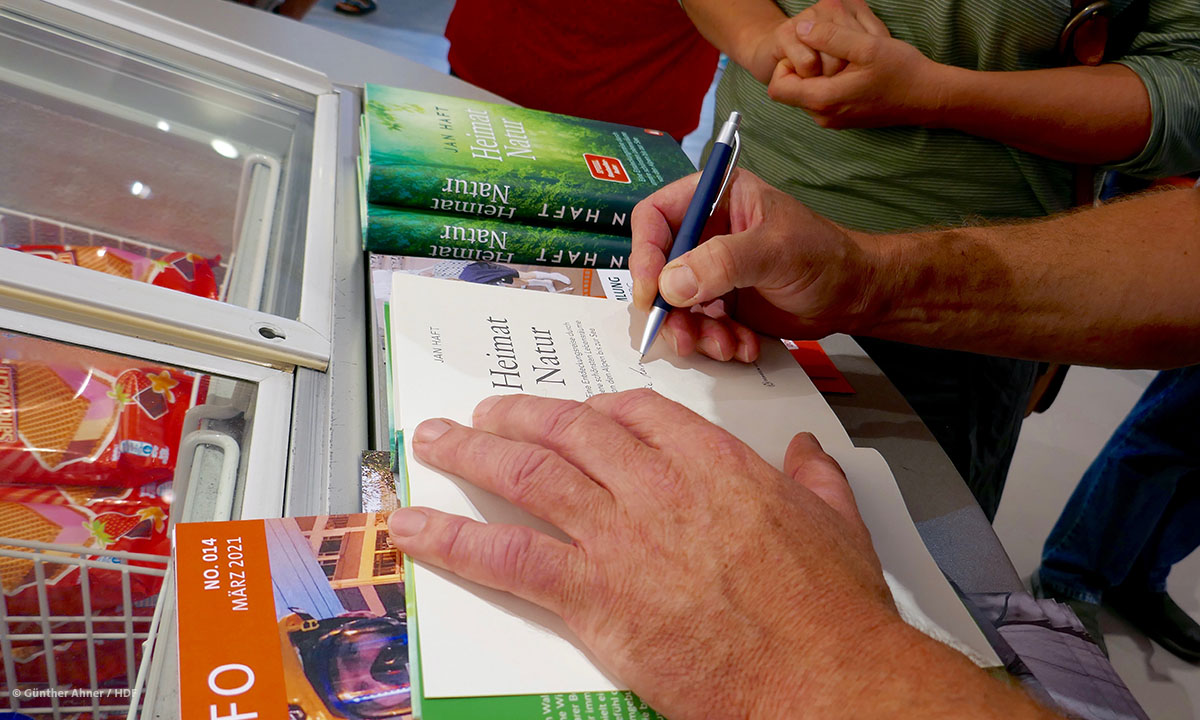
point(355, 7)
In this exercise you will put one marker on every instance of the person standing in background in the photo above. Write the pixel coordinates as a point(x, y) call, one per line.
point(1134, 514)
point(949, 111)
point(638, 63)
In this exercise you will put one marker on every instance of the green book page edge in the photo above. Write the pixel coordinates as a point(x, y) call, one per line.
point(395, 434)
point(362, 201)
point(364, 140)
point(363, 166)
point(414, 640)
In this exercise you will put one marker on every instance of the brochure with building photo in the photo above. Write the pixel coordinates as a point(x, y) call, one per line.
point(291, 618)
point(453, 344)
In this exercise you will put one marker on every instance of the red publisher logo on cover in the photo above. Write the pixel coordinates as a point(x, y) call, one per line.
point(606, 168)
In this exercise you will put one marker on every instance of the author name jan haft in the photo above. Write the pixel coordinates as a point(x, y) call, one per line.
point(435, 343)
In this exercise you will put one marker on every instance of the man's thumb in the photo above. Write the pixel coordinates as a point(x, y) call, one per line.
point(714, 268)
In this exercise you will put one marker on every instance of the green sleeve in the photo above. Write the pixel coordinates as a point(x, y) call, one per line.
point(1166, 56)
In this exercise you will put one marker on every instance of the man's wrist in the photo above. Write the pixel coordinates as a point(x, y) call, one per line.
point(879, 274)
point(885, 668)
point(853, 660)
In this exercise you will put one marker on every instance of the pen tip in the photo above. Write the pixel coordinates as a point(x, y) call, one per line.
point(653, 322)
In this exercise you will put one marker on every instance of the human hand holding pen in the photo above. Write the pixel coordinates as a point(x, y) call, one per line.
point(706, 197)
point(776, 267)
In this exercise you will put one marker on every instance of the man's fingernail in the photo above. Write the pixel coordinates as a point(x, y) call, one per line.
point(669, 334)
point(710, 347)
point(484, 405)
point(804, 27)
point(407, 522)
point(678, 284)
point(430, 430)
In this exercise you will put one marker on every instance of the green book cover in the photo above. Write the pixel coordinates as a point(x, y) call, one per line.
point(479, 159)
point(438, 235)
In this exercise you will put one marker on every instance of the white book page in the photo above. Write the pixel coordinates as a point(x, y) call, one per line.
point(922, 594)
point(455, 343)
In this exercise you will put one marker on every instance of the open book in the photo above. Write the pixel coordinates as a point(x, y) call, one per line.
point(453, 344)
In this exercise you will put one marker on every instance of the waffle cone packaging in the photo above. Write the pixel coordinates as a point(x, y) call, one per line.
point(71, 416)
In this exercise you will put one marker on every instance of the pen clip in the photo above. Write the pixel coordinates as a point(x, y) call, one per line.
point(737, 150)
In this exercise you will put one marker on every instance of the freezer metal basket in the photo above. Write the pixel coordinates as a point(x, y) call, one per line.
point(38, 230)
point(121, 635)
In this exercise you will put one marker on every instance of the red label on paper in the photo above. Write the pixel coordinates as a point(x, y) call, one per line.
point(603, 167)
point(819, 367)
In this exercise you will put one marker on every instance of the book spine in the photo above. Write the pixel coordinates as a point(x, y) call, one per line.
point(473, 194)
point(422, 234)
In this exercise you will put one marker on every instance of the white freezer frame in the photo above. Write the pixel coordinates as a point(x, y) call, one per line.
point(180, 319)
point(265, 459)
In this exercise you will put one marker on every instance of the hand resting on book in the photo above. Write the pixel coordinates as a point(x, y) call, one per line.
point(663, 580)
point(710, 582)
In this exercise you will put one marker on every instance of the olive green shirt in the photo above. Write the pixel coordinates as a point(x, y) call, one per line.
point(901, 178)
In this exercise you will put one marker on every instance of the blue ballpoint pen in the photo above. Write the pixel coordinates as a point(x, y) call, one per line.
point(709, 190)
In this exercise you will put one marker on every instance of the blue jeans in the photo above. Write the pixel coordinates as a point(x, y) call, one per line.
point(1136, 511)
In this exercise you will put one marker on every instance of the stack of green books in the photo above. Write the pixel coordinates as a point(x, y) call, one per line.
point(465, 180)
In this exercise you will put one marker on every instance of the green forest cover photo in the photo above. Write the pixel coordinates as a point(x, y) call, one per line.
point(474, 158)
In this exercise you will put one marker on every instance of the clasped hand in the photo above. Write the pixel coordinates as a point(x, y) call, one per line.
point(839, 63)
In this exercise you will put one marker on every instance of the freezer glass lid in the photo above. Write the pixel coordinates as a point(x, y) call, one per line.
point(130, 156)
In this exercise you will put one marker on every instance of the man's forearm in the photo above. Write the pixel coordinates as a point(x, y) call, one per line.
point(1092, 115)
point(1115, 286)
point(894, 671)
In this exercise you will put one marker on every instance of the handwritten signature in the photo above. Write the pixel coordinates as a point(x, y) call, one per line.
point(641, 370)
